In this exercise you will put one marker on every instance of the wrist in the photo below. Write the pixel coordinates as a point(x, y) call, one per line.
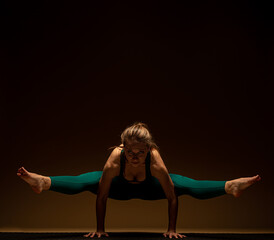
point(171, 230)
point(100, 229)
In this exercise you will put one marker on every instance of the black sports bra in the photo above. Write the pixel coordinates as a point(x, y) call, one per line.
point(122, 168)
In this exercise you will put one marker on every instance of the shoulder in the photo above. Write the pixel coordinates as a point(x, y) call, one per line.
point(112, 164)
point(156, 158)
point(157, 166)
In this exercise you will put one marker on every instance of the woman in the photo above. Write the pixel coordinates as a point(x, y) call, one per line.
point(135, 169)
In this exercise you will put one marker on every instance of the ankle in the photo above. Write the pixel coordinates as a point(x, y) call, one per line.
point(228, 187)
point(46, 183)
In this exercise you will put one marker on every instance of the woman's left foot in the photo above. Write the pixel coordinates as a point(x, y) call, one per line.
point(237, 186)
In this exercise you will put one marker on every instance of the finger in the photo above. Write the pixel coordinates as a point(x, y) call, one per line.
point(164, 234)
point(107, 235)
point(170, 235)
point(99, 235)
point(176, 236)
point(93, 234)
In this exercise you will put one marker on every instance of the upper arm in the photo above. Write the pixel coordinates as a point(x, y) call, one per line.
point(159, 170)
point(110, 170)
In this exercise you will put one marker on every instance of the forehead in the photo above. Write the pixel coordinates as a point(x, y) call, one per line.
point(135, 145)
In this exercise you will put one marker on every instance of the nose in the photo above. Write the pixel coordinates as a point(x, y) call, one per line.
point(135, 154)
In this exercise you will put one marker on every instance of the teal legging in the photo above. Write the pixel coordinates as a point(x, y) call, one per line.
point(152, 190)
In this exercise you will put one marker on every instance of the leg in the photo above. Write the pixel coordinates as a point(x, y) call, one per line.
point(76, 184)
point(63, 184)
point(197, 189)
point(210, 189)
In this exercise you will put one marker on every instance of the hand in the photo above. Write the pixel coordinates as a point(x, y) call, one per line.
point(99, 234)
point(171, 234)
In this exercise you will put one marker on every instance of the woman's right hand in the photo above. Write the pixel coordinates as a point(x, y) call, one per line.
point(96, 234)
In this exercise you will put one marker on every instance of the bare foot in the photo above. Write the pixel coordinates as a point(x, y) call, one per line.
point(237, 186)
point(37, 182)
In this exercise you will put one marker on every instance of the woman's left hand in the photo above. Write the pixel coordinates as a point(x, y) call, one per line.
point(171, 234)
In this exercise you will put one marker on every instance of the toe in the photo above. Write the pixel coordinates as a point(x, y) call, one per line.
point(25, 171)
point(258, 178)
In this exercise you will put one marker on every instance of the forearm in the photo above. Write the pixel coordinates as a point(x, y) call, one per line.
point(100, 213)
point(172, 212)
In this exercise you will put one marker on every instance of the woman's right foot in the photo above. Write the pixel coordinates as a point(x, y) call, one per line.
point(37, 182)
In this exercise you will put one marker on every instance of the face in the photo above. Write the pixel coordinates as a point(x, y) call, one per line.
point(136, 153)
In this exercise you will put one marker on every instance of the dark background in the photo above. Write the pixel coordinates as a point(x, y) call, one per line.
point(75, 74)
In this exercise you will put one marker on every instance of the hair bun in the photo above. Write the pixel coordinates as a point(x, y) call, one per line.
point(138, 131)
point(140, 124)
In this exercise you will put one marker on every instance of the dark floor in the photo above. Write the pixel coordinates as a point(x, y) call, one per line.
point(132, 236)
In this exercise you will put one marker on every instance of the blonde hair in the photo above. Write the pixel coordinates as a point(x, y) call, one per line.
point(139, 132)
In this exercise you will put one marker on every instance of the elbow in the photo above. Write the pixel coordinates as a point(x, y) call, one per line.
point(101, 198)
point(172, 199)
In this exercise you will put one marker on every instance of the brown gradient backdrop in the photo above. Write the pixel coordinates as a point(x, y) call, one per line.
point(77, 74)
